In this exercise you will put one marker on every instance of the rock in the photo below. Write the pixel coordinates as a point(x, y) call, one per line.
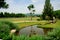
point(12, 31)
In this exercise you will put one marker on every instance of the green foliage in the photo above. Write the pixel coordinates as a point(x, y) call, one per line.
point(10, 24)
point(36, 37)
point(23, 37)
point(48, 10)
point(38, 19)
point(3, 4)
point(7, 37)
point(57, 14)
point(54, 35)
point(8, 15)
point(1, 14)
point(31, 9)
point(5, 28)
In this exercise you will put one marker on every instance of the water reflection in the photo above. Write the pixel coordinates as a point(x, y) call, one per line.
point(31, 30)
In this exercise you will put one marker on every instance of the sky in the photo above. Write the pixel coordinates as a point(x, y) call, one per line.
point(20, 6)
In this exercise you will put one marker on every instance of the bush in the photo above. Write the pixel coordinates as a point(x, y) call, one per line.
point(10, 24)
point(38, 19)
point(54, 35)
point(7, 37)
point(5, 28)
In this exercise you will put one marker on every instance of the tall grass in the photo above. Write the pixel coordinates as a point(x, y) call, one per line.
point(22, 37)
point(54, 35)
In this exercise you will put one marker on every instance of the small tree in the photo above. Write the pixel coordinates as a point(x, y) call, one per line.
point(31, 9)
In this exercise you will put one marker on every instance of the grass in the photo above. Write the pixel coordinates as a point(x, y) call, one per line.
point(41, 24)
point(25, 22)
point(19, 19)
point(53, 25)
point(33, 37)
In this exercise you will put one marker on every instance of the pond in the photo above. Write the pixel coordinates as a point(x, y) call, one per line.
point(31, 30)
point(34, 30)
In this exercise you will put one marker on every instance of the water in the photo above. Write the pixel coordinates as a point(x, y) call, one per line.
point(34, 29)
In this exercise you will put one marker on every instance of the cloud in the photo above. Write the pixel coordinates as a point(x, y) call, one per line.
point(21, 7)
point(34, 0)
point(14, 7)
point(56, 4)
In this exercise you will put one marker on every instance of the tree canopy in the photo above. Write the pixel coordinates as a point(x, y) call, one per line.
point(31, 9)
point(48, 9)
point(57, 14)
point(3, 4)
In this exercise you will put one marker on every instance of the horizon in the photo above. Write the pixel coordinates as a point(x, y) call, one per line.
point(20, 6)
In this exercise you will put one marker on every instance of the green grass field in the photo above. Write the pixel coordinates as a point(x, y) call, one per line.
point(19, 19)
point(24, 22)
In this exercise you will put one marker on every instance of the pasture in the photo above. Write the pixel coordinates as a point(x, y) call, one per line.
point(24, 22)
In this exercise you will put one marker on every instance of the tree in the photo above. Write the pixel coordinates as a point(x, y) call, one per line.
point(3, 4)
point(48, 10)
point(31, 9)
point(57, 14)
point(1, 14)
point(6, 14)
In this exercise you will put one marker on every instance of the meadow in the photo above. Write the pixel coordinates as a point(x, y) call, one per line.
point(26, 21)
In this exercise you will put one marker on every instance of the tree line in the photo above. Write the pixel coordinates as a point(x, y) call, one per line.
point(6, 14)
point(3, 4)
point(57, 14)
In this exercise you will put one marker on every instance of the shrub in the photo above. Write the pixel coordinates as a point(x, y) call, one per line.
point(7, 37)
point(10, 24)
point(5, 28)
point(54, 35)
point(38, 19)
